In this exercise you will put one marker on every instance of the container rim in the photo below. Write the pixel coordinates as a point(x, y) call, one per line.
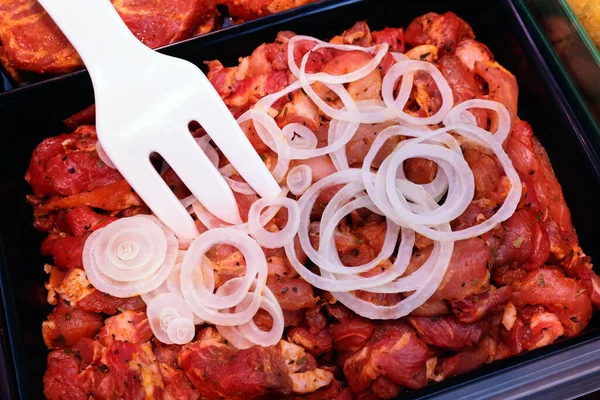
point(222, 34)
point(583, 33)
point(565, 92)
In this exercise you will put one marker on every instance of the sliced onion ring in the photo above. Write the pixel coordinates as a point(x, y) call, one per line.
point(94, 252)
point(163, 310)
point(201, 300)
point(299, 179)
point(273, 240)
point(181, 331)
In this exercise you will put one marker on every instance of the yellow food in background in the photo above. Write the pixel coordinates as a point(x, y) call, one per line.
point(588, 12)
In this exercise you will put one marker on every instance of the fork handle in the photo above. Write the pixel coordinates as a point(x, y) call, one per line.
point(96, 31)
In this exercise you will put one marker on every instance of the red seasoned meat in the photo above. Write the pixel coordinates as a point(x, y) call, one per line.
point(89, 351)
point(580, 266)
point(66, 325)
point(301, 110)
point(83, 219)
point(60, 380)
point(32, 42)
point(488, 175)
point(177, 386)
point(129, 326)
point(468, 360)
point(316, 60)
point(125, 371)
point(559, 294)
point(358, 371)
point(420, 170)
point(474, 308)
point(315, 343)
point(114, 197)
point(68, 164)
point(533, 327)
point(432, 308)
point(316, 318)
point(467, 272)
point(372, 234)
point(525, 243)
point(401, 357)
point(470, 320)
point(353, 334)
point(464, 84)
point(334, 391)
point(246, 10)
point(292, 293)
point(444, 31)
point(392, 36)
point(217, 369)
point(87, 116)
point(385, 388)
point(248, 91)
point(98, 301)
point(367, 88)
point(166, 353)
point(386, 327)
point(502, 87)
point(470, 51)
point(66, 250)
point(359, 35)
point(448, 332)
point(157, 23)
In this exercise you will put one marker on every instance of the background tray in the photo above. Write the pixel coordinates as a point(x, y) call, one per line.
point(28, 115)
point(571, 56)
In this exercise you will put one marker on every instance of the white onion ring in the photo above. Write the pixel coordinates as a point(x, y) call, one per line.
point(135, 249)
point(299, 179)
point(273, 240)
point(164, 309)
point(404, 307)
point(94, 246)
point(407, 68)
point(248, 334)
point(256, 335)
point(206, 218)
point(459, 115)
point(234, 337)
point(472, 133)
point(306, 202)
point(380, 51)
point(211, 153)
point(300, 136)
point(239, 187)
point(227, 171)
point(181, 331)
point(264, 123)
point(206, 304)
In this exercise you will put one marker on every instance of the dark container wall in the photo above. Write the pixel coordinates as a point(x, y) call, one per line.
point(29, 115)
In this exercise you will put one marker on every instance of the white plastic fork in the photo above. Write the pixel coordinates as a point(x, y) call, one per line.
point(144, 103)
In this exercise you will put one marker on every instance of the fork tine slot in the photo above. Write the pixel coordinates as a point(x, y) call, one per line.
point(224, 130)
point(157, 195)
point(202, 178)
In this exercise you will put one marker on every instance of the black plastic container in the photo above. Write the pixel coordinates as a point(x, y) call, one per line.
point(563, 370)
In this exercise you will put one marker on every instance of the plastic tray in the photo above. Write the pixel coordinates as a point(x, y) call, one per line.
point(8, 84)
point(563, 370)
point(571, 55)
